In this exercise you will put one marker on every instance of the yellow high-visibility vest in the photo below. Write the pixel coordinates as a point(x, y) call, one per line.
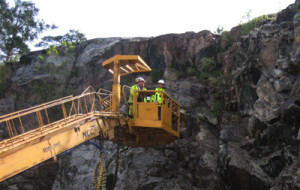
point(157, 96)
point(132, 89)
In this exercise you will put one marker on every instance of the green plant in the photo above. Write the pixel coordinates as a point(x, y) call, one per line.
point(213, 73)
point(206, 69)
point(52, 49)
point(71, 46)
point(226, 41)
point(256, 22)
point(73, 36)
point(63, 43)
point(219, 30)
point(50, 67)
point(41, 58)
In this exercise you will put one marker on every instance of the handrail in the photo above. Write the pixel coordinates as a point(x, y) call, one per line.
point(154, 91)
point(106, 99)
point(101, 89)
point(34, 107)
point(55, 103)
point(68, 107)
point(88, 88)
point(123, 93)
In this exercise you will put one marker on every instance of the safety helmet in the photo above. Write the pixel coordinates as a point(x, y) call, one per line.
point(139, 79)
point(161, 81)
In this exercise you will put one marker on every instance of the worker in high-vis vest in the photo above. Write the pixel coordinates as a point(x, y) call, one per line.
point(157, 96)
point(140, 85)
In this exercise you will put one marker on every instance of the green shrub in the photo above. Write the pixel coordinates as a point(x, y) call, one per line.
point(71, 46)
point(256, 22)
point(63, 43)
point(226, 41)
point(208, 65)
point(210, 72)
point(219, 30)
point(52, 49)
point(41, 58)
point(206, 68)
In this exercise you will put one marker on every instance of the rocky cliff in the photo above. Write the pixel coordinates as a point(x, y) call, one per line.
point(240, 96)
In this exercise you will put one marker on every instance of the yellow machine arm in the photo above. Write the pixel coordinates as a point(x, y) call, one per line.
point(64, 123)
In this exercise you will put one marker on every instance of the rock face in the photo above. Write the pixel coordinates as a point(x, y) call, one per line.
point(262, 77)
point(240, 97)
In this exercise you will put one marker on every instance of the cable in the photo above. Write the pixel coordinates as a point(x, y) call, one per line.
point(100, 181)
point(95, 174)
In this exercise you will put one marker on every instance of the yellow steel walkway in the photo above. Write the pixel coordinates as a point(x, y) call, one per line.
point(62, 125)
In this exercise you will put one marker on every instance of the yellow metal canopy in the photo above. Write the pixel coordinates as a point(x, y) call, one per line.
point(128, 64)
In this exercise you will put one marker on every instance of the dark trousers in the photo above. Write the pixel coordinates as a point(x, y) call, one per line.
point(159, 112)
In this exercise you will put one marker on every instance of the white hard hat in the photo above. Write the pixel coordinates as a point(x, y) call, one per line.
point(139, 79)
point(161, 81)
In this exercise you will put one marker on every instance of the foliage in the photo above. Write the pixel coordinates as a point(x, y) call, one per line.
point(219, 30)
point(226, 41)
point(183, 68)
point(71, 46)
point(207, 67)
point(63, 43)
point(52, 50)
point(210, 72)
point(74, 37)
point(41, 58)
point(256, 22)
point(19, 25)
point(253, 23)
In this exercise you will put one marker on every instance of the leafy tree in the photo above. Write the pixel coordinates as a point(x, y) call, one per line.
point(18, 25)
point(73, 37)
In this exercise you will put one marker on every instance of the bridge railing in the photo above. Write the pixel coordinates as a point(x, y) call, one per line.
point(15, 127)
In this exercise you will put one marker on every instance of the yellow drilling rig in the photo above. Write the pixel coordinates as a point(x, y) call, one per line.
point(40, 133)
